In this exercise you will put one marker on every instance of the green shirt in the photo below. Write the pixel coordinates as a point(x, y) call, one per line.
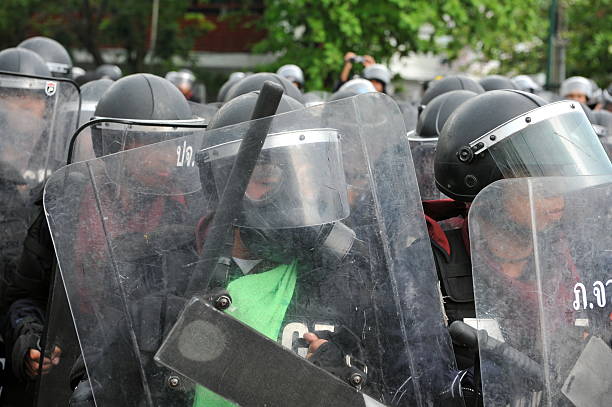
point(259, 301)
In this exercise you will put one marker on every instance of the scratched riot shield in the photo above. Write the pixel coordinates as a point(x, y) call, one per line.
point(35, 123)
point(410, 113)
point(423, 152)
point(305, 255)
point(541, 255)
point(54, 388)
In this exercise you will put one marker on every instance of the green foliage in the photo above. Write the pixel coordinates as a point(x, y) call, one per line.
point(315, 34)
point(15, 24)
point(90, 24)
point(589, 39)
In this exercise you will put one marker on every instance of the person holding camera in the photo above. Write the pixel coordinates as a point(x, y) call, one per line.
point(351, 58)
point(378, 74)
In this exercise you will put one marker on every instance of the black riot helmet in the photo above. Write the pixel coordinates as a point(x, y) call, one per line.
point(289, 208)
point(23, 61)
point(509, 134)
point(108, 71)
point(255, 82)
point(353, 87)
point(448, 84)
point(53, 53)
point(496, 82)
point(138, 97)
point(434, 115)
point(234, 78)
point(240, 109)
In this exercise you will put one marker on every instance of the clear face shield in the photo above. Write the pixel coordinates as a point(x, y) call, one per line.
point(23, 104)
point(36, 116)
point(104, 136)
point(553, 140)
point(298, 180)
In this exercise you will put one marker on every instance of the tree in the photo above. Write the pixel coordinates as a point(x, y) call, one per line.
point(93, 24)
point(315, 34)
point(589, 39)
point(15, 21)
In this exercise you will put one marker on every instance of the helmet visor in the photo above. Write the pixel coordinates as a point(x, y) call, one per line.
point(553, 140)
point(298, 180)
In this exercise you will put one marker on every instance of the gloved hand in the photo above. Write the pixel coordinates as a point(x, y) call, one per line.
point(336, 353)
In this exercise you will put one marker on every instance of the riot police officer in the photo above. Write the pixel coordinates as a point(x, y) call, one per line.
point(27, 105)
point(526, 84)
point(108, 71)
point(53, 53)
point(254, 82)
point(293, 74)
point(184, 80)
point(577, 88)
point(423, 141)
point(23, 61)
point(139, 96)
point(379, 75)
point(499, 134)
point(447, 84)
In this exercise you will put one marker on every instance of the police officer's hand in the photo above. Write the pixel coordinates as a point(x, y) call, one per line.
point(314, 343)
point(32, 361)
point(328, 355)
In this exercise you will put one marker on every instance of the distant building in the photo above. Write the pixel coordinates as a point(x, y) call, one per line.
point(225, 48)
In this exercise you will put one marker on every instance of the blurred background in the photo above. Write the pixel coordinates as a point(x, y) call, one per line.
point(418, 40)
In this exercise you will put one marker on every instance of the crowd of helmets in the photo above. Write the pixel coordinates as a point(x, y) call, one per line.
point(43, 56)
point(131, 97)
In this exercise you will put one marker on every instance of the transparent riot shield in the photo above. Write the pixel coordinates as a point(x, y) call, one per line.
point(54, 388)
point(315, 97)
point(541, 265)
point(410, 113)
point(35, 121)
point(37, 116)
point(329, 239)
point(103, 136)
point(423, 154)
